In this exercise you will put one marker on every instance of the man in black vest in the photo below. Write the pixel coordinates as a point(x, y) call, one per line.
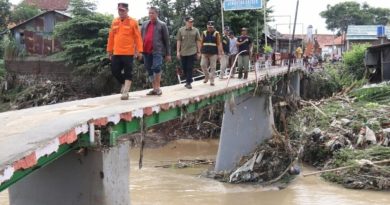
point(211, 51)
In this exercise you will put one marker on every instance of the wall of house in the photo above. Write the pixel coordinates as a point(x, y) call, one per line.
point(37, 35)
point(32, 70)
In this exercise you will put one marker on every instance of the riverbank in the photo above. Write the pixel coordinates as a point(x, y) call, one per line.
point(351, 132)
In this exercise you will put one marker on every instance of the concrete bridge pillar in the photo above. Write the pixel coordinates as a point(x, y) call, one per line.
point(244, 129)
point(96, 177)
point(295, 84)
point(293, 88)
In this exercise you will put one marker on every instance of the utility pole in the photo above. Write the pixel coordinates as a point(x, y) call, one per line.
point(291, 52)
point(223, 23)
point(265, 21)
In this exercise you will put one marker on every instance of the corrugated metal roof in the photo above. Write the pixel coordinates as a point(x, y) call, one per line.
point(41, 14)
point(364, 32)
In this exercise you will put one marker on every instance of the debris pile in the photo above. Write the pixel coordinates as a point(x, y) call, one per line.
point(347, 137)
point(272, 161)
point(46, 93)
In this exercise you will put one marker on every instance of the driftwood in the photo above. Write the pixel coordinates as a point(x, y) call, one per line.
point(315, 107)
point(184, 163)
point(343, 168)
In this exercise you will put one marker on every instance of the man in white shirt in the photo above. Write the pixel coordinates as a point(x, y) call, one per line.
point(233, 51)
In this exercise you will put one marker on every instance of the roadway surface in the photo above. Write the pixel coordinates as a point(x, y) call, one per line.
point(28, 134)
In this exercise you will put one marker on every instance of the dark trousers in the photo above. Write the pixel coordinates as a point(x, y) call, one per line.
point(187, 64)
point(119, 63)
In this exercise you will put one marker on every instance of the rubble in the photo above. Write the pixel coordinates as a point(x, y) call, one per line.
point(272, 161)
point(349, 137)
point(45, 93)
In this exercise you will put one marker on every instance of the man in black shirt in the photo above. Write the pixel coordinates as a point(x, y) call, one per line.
point(244, 43)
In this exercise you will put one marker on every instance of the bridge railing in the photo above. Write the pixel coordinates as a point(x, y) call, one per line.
point(258, 65)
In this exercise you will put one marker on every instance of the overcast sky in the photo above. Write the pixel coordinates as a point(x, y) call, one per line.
point(308, 13)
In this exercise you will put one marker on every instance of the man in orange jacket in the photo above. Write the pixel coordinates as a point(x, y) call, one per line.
point(124, 41)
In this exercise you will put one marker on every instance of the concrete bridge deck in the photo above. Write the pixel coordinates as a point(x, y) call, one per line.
point(29, 136)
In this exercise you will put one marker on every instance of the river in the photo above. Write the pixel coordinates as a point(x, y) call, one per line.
point(170, 186)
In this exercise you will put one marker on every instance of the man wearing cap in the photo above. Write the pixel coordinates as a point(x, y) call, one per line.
point(211, 52)
point(124, 41)
point(188, 48)
point(156, 45)
point(226, 47)
point(244, 43)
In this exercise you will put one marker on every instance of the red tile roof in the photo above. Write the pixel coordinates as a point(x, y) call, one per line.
point(337, 41)
point(60, 5)
point(324, 39)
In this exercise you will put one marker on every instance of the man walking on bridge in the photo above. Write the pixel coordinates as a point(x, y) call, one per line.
point(156, 45)
point(124, 41)
point(188, 48)
point(211, 52)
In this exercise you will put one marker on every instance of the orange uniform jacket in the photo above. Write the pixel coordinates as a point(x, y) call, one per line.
point(124, 37)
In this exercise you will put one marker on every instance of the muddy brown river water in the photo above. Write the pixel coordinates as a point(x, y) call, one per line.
point(169, 186)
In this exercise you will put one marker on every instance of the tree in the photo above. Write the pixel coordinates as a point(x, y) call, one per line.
point(23, 12)
point(339, 16)
point(173, 12)
point(84, 39)
point(82, 7)
point(5, 12)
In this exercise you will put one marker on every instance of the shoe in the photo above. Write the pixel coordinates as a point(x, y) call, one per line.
point(125, 96)
point(158, 92)
point(188, 86)
point(205, 80)
point(212, 84)
point(246, 75)
point(152, 92)
point(126, 89)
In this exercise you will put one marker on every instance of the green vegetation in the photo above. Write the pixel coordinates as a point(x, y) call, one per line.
point(340, 15)
point(377, 94)
point(368, 177)
point(174, 11)
point(23, 12)
point(354, 61)
point(267, 49)
point(340, 76)
point(5, 12)
point(84, 39)
point(335, 132)
point(12, 50)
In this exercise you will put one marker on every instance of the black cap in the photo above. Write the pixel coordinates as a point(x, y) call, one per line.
point(189, 18)
point(231, 33)
point(123, 6)
point(210, 24)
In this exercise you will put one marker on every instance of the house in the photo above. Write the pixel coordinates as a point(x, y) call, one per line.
point(377, 60)
point(49, 5)
point(336, 47)
point(366, 34)
point(36, 34)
